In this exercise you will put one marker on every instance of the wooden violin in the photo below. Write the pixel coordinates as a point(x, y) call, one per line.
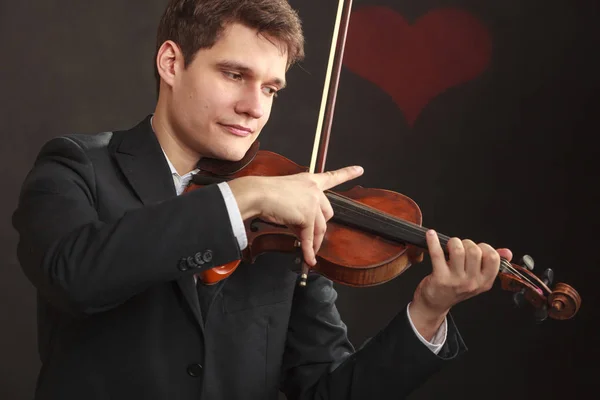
point(375, 234)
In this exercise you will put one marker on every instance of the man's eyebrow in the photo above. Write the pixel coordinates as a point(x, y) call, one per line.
point(239, 67)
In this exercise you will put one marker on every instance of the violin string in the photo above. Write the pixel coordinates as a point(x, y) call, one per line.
point(517, 273)
point(354, 207)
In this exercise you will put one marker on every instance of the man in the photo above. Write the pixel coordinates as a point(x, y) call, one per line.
point(113, 246)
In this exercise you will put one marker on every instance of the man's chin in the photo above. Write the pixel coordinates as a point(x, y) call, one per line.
point(232, 156)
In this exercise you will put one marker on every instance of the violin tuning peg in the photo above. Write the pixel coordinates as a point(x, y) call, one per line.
point(547, 277)
point(541, 314)
point(519, 298)
point(527, 262)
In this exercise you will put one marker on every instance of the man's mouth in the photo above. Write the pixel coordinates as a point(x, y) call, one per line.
point(238, 130)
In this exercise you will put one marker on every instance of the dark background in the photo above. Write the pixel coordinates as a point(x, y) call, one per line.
point(506, 158)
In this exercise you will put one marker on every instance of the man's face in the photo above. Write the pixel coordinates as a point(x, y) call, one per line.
point(221, 102)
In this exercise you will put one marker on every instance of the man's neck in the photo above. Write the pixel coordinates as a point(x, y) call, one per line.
point(183, 161)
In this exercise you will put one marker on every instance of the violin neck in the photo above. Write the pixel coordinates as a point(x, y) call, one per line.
point(359, 216)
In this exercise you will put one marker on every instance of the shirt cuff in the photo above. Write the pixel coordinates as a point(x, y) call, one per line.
point(235, 217)
point(438, 340)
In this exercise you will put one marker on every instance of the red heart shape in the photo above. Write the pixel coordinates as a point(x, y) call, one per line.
point(415, 63)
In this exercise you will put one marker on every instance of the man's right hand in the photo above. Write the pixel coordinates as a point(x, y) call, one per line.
point(296, 201)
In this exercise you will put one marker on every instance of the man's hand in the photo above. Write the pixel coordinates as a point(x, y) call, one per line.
point(470, 270)
point(296, 201)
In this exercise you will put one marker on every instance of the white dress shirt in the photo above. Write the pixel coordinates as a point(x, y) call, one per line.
point(239, 231)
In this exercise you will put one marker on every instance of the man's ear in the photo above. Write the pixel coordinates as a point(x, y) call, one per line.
point(168, 58)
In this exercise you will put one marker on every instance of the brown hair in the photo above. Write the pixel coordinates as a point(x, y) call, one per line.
point(198, 24)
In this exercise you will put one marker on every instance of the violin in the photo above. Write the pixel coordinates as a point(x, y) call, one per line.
point(375, 234)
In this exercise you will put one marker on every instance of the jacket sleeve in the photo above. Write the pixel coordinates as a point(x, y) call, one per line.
point(84, 265)
point(320, 362)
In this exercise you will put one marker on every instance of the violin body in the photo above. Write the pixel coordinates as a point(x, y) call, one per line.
point(348, 255)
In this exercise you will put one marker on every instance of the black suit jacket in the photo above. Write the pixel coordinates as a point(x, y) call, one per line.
point(112, 251)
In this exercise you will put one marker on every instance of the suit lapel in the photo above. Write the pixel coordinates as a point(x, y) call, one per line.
point(141, 159)
point(144, 165)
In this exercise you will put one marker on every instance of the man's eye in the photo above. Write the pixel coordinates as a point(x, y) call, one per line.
point(270, 91)
point(233, 75)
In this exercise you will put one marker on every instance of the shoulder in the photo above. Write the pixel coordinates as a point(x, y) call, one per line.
point(87, 145)
point(84, 152)
point(74, 149)
point(90, 141)
point(98, 143)
point(78, 142)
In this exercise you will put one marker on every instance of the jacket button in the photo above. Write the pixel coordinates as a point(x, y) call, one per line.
point(183, 265)
point(191, 262)
point(194, 370)
point(207, 257)
point(198, 258)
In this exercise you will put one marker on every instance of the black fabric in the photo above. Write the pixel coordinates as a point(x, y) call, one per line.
point(206, 293)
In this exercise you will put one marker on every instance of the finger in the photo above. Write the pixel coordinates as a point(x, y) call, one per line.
point(306, 241)
point(320, 229)
point(436, 253)
point(472, 257)
point(456, 251)
point(505, 253)
point(329, 179)
point(490, 264)
point(326, 208)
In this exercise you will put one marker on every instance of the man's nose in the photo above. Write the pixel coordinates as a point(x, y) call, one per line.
point(252, 103)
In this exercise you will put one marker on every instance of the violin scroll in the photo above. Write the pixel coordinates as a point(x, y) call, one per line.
point(561, 303)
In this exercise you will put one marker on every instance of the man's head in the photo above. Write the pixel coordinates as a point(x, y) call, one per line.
point(219, 64)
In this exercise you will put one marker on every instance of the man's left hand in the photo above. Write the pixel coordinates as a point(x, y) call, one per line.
point(470, 270)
